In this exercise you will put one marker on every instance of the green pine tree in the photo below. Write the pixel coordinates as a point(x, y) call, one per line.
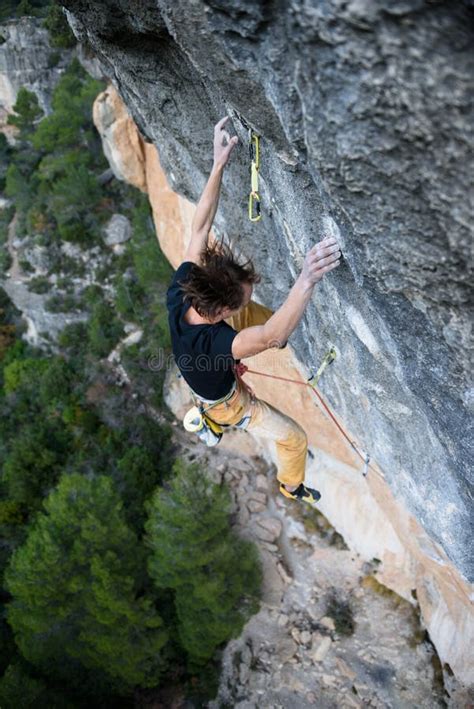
point(27, 111)
point(215, 574)
point(17, 186)
point(24, 8)
point(59, 31)
point(70, 123)
point(104, 329)
point(34, 462)
point(75, 595)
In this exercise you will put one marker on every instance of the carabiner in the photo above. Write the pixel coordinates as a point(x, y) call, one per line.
point(254, 148)
point(254, 202)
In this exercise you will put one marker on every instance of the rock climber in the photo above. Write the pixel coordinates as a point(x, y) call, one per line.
point(211, 286)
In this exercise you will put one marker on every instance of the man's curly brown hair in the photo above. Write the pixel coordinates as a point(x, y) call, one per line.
point(217, 282)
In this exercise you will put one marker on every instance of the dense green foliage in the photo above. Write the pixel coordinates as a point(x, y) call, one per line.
point(75, 497)
point(10, 9)
point(51, 178)
point(85, 565)
point(215, 576)
point(48, 428)
point(118, 567)
point(17, 683)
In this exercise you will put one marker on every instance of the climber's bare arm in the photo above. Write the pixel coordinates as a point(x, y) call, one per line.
point(207, 206)
point(321, 259)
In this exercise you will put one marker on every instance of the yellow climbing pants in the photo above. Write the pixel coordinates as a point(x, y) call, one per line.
point(266, 421)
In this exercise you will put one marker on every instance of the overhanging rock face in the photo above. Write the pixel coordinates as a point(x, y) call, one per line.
point(365, 116)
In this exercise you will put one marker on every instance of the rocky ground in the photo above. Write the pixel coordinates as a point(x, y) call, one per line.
point(328, 634)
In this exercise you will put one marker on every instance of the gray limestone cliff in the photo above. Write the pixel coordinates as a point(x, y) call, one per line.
point(365, 115)
point(27, 59)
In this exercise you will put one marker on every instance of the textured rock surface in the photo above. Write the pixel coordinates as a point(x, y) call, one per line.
point(123, 146)
point(364, 112)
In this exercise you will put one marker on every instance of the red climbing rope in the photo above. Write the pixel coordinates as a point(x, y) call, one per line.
point(241, 369)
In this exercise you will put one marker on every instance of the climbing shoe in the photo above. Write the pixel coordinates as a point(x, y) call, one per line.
point(306, 494)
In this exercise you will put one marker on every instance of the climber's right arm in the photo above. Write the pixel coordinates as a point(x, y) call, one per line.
point(207, 206)
point(321, 259)
point(204, 215)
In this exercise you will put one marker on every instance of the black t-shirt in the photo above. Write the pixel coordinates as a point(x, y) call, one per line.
point(203, 353)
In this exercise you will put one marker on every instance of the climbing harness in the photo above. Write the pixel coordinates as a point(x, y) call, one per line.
point(196, 420)
point(365, 457)
point(254, 197)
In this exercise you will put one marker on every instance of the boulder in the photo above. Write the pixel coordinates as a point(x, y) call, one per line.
point(320, 647)
point(117, 230)
point(268, 528)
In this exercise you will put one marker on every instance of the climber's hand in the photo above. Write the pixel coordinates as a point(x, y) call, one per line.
point(223, 143)
point(321, 259)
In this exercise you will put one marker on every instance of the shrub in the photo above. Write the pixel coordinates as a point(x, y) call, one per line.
point(340, 611)
point(5, 260)
point(39, 284)
point(26, 265)
point(104, 330)
point(74, 337)
point(22, 372)
point(62, 303)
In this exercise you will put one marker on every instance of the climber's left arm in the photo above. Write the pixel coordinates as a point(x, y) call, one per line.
point(207, 206)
